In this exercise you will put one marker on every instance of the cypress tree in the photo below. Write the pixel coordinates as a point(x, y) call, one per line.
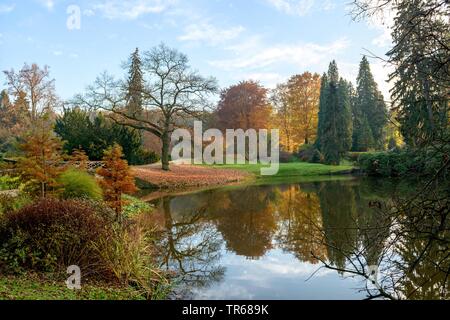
point(335, 124)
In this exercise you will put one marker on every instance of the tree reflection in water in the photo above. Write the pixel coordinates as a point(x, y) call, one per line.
point(190, 247)
point(343, 225)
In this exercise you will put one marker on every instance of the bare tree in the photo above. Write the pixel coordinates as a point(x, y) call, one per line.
point(36, 84)
point(172, 91)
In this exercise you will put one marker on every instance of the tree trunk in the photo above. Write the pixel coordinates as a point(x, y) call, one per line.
point(165, 150)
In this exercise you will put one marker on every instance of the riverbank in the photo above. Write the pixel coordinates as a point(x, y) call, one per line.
point(191, 177)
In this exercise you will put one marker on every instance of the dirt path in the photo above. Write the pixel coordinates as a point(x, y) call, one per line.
point(182, 177)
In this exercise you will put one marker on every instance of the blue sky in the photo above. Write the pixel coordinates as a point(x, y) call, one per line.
point(265, 40)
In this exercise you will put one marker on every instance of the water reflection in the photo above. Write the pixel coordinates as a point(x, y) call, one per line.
point(265, 241)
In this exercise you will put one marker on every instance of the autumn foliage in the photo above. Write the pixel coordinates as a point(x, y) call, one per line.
point(41, 165)
point(116, 178)
point(244, 106)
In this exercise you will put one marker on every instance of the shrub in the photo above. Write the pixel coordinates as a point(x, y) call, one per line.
point(79, 184)
point(145, 157)
point(309, 153)
point(405, 162)
point(51, 234)
point(9, 183)
point(287, 157)
point(11, 202)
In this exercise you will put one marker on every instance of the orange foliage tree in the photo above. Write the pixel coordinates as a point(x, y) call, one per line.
point(297, 106)
point(116, 178)
point(244, 106)
point(41, 164)
point(79, 159)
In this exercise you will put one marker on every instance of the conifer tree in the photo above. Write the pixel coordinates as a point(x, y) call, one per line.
point(41, 165)
point(369, 111)
point(335, 125)
point(135, 85)
point(116, 179)
point(421, 77)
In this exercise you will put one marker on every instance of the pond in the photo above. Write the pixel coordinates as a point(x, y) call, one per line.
point(269, 241)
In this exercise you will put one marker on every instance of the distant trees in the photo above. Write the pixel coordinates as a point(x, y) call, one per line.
point(297, 104)
point(244, 106)
point(369, 111)
point(172, 91)
point(94, 133)
point(135, 85)
point(14, 120)
point(334, 133)
point(35, 85)
point(116, 179)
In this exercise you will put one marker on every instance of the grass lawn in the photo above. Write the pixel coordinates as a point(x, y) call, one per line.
point(33, 287)
point(294, 169)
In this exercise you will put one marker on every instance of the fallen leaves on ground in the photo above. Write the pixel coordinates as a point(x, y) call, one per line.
point(186, 176)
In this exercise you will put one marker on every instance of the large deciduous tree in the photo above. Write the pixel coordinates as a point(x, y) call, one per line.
point(244, 106)
point(297, 107)
point(37, 86)
point(172, 91)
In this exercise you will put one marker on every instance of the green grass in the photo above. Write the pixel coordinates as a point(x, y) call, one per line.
point(134, 206)
point(33, 287)
point(294, 169)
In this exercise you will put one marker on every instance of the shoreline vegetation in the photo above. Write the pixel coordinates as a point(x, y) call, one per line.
point(32, 285)
point(194, 177)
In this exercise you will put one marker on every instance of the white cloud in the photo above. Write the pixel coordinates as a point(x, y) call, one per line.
point(207, 33)
point(57, 52)
point(49, 4)
point(131, 9)
point(301, 55)
point(300, 7)
point(6, 8)
point(268, 79)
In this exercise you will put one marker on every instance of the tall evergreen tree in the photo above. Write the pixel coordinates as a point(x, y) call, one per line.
point(421, 78)
point(335, 124)
point(135, 84)
point(369, 111)
point(322, 107)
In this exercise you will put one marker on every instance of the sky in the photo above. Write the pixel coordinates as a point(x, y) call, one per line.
point(263, 40)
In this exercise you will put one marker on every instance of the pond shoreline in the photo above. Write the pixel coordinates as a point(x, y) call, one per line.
point(183, 179)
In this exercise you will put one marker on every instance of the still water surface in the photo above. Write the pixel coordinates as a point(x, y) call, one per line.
point(260, 242)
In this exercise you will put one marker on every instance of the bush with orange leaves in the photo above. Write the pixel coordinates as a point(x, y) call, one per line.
point(116, 179)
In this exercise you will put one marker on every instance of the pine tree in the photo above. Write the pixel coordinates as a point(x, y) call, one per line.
point(369, 107)
point(116, 179)
point(135, 84)
point(335, 125)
